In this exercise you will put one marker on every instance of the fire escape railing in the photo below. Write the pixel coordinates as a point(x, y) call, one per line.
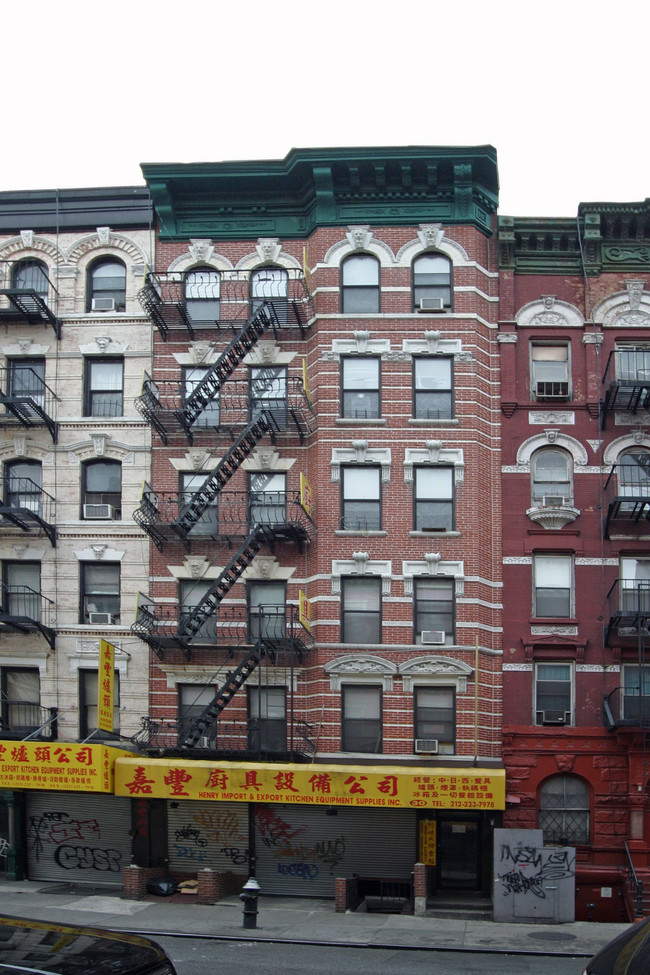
point(629, 608)
point(33, 305)
point(627, 706)
point(164, 300)
point(25, 505)
point(27, 399)
point(23, 610)
point(626, 383)
point(21, 720)
point(627, 495)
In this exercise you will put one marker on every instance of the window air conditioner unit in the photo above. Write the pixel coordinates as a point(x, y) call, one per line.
point(100, 511)
point(103, 304)
point(554, 501)
point(554, 717)
point(550, 390)
point(204, 742)
point(431, 304)
point(103, 618)
point(433, 637)
point(426, 746)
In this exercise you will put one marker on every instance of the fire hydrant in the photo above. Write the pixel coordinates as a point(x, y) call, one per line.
point(249, 895)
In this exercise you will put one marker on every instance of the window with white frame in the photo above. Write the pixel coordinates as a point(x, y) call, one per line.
point(271, 284)
point(549, 372)
point(100, 593)
point(101, 489)
point(553, 586)
point(202, 287)
point(190, 595)
point(564, 811)
point(360, 378)
point(208, 523)
point(551, 471)
point(433, 397)
point(433, 498)
point(553, 693)
point(193, 376)
point(634, 585)
point(434, 715)
point(361, 609)
point(21, 585)
point(268, 392)
point(106, 285)
point(267, 614)
point(361, 718)
point(88, 700)
point(31, 275)
point(20, 708)
point(632, 363)
point(636, 694)
point(360, 293)
point(193, 699)
point(633, 473)
point(361, 498)
point(104, 387)
point(23, 485)
point(267, 498)
point(434, 611)
point(267, 719)
point(431, 282)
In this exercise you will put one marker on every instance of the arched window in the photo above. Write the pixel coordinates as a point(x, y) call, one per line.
point(101, 490)
point(360, 285)
point(564, 811)
point(431, 282)
point(106, 285)
point(634, 474)
point(271, 284)
point(23, 485)
point(202, 294)
point(551, 475)
point(30, 275)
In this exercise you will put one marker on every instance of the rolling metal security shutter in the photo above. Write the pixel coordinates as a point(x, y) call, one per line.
point(74, 836)
point(207, 834)
point(301, 850)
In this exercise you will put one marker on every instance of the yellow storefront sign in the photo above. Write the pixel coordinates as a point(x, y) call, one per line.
point(331, 785)
point(105, 686)
point(67, 766)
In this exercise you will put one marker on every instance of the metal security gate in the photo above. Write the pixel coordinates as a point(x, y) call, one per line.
point(74, 836)
point(207, 834)
point(301, 850)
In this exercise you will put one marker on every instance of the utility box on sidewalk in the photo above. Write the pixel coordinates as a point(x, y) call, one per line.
point(532, 882)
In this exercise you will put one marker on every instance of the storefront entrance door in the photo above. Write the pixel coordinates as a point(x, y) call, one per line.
point(458, 852)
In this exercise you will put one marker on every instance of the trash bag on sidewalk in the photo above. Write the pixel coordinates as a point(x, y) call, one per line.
point(162, 886)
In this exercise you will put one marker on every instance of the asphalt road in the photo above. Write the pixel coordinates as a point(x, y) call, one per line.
point(200, 956)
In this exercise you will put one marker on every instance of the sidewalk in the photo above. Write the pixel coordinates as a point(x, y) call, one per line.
point(292, 920)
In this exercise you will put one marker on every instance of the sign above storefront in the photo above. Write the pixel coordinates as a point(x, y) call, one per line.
point(68, 766)
point(330, 785)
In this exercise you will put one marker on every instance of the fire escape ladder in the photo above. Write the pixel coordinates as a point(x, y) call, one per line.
point(192, 511)
point(207, 390)
point(240, 561)
point(32, 307)
point(201, 725)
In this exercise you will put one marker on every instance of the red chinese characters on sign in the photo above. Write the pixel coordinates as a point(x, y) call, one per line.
point(217, 779)
point(322, 782)
point(140, 784)
point(284, 782)
point(177, 779)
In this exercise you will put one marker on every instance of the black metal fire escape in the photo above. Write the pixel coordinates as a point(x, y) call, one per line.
point(27, 399)
point(32, 305)
point(25, 505)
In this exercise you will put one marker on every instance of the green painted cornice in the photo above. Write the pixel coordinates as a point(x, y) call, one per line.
point(614, 237)
point(313, 188)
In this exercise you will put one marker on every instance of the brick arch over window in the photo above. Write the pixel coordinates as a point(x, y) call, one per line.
point(627, 444)
point(552, 438)
point(549, 311)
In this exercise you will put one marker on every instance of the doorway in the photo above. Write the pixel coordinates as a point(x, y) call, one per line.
point(459, 852)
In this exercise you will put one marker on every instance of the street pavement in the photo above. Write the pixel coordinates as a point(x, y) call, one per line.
point(292, 920)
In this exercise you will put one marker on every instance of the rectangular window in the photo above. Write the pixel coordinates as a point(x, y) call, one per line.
point(553, 586)
point(21, 584)
point(549, 372)
point(268, 391)
point(361, 610)
point(100, 593)
point(553, 693)
point(361, 719)
point(636, 694)
point(433, 498)
point(88, 691)
point(361, 498)
point(208, 523)
point(633, 364)
point(20, 708)
point(433, 388)
point(193, 699)
point(434, 611)
point(634, 583)
point(192, 377)
point(360, 388)
point(267, 497)
point(104, 387)
point(26, 380)
point(191, 593)
point(266, 611)
point(267, 719)
point(435, 719)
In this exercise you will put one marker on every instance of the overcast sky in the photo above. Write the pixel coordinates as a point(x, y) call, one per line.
point(91, 90)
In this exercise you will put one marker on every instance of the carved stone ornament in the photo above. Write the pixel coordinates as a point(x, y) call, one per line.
point(360, 562)
point(104, 234)
point(564, 761)
point(102, 342)
point(361, 338)
point(433, 562)
point(200, 249)
point(98, 551)
point(264, 566)
point(266, 457)
point(268, 249)
point(20, 446)
point(359, 236)
point(27, 237)
point(19, 551)
point(25, 346)
point(566, 416)
point(431, 234)
point(433, 448)
point(634, 293)
point(99, 443)
point(360, 448)
point(553, 517)
point(195, 566)
point(432, 338)
point(199, 351)
point(267, 352)
point(360, 666)
point(197, 458)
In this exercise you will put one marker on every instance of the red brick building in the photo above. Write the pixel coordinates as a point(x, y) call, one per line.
point(575, 384)
point(325, 510)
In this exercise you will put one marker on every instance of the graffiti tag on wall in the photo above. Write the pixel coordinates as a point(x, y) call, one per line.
point(73, 844)
point(530, 868)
